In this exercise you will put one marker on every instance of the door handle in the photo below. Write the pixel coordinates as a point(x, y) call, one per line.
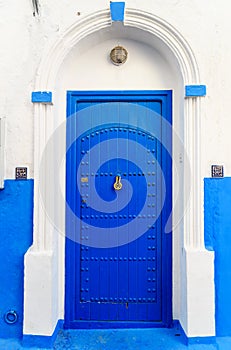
point(118, 185)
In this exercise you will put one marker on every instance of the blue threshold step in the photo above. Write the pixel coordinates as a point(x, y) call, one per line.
point(122, 339)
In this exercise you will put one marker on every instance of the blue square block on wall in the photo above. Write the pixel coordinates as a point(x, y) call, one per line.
point(195, 90)
point(41, 97)
point(117, 11)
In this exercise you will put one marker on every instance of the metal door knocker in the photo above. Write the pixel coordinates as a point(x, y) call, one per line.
point(118, 185)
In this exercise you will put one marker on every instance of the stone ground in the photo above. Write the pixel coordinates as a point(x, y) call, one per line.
point(129, 339)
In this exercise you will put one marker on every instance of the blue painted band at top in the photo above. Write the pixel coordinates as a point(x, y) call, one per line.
point(41, 97)
point(117, 11)
point(195, 90)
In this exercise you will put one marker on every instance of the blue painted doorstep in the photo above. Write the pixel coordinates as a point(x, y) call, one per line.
point(129, 339)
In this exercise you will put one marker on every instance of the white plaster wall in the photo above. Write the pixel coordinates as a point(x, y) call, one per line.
point(24, 38)
point(205, 25)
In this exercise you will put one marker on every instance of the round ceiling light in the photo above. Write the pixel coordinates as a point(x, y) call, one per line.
point(118, 55)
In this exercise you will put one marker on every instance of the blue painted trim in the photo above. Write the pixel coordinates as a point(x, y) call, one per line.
point(195, 90)
point(179, 331)
point(113, 325)
point(41, 97)
point(201, 340)
point(211, 224)
point(117, 11)
point(40, 340)
point(121, 95)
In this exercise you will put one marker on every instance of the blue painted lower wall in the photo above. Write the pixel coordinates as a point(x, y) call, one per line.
point(217, 208)
point(16, 220)
point(16, 223)
point(47, 342)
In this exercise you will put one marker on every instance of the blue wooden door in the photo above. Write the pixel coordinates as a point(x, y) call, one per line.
point(118, 258)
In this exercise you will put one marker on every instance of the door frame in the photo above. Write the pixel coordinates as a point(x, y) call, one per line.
point(133, 96)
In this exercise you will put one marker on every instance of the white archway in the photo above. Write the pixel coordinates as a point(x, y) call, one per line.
point(41, 304)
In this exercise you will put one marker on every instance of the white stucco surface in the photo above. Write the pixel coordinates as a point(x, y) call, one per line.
point(26, 40)
point(205, 25)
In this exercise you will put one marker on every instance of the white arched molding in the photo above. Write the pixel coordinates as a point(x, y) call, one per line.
point(46, 77)
point(196, 298)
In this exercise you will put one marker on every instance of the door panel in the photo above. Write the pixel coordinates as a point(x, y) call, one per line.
point(124, 284)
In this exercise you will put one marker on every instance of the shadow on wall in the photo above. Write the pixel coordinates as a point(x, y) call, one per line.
point(217, 209)
point(16, 224)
